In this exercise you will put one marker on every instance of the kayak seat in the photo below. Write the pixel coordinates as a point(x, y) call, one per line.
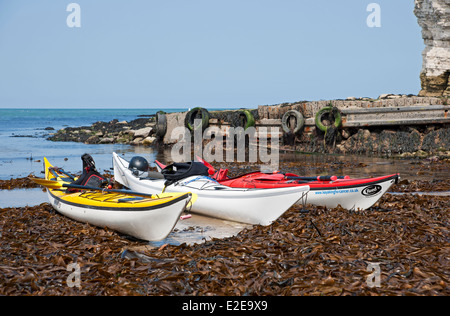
point(178, 171)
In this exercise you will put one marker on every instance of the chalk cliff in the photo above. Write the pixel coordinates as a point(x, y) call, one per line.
point(434, 18)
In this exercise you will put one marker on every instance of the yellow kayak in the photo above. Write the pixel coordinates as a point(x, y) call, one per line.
point(144, 216)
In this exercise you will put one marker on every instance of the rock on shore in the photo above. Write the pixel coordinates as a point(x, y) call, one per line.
point(403, 142)
point(136, 132)
point(434, 16)
point(409, 142)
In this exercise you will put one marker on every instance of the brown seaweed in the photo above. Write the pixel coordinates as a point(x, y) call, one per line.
point(19, 183)
point(321, 252)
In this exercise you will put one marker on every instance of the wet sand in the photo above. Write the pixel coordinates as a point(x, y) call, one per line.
point(318, 252)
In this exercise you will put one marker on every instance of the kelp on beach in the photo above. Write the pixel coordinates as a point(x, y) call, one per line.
point(19, 183)
point(316, 251)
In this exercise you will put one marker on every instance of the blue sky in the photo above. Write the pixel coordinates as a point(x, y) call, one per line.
point(209, 53)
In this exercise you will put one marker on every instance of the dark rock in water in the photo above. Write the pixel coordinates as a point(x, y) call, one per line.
point(30, 136)
point(112, 132)
point(49, 129)
point(92, 140)
point(147, 115)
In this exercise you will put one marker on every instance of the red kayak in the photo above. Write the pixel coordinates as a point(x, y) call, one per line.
point(329, 191)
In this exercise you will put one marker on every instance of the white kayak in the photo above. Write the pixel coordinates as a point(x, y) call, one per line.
point(251, 206)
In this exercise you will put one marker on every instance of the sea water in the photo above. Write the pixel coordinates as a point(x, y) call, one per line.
point(24, 144)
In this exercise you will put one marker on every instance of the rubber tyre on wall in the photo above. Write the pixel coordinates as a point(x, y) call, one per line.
point(244, 119)
point(193, 114)
point(300, 121)
point(161, 124)
point(328, 110)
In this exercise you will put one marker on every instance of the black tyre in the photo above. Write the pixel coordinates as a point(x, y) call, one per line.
point(197, 113)
point(292, 116)
point(161, 124)
point(333, 114)
point(243, 118)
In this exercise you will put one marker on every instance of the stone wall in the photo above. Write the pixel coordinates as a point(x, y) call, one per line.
point(399, 140)
point(433, 17)
point(310, 108)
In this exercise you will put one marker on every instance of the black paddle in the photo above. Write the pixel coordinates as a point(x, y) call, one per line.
point(56, 185)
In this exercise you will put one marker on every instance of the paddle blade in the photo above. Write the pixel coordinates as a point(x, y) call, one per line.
point(47, 183)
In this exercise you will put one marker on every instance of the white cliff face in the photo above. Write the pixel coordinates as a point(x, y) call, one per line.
point(434, 18)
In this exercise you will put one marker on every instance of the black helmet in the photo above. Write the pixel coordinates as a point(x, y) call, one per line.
point(138, 165)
